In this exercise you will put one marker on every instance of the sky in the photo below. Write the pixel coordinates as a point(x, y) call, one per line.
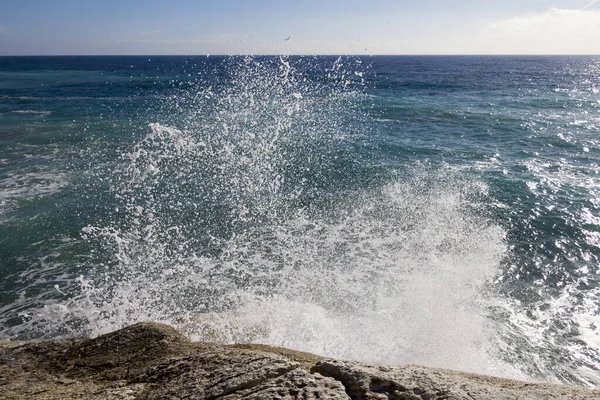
point(188, 27)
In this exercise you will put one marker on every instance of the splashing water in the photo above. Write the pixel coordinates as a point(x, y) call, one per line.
point(241, 217)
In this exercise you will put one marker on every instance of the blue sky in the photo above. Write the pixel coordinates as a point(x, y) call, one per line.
point(52, 27)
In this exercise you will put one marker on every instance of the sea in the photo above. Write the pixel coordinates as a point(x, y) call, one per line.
point(434, 210)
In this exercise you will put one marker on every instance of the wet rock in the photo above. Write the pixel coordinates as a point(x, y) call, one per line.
point(153, 361)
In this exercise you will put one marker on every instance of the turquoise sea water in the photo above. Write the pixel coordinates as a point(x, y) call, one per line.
point(434, 210)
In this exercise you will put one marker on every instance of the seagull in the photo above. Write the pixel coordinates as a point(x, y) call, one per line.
point(288, 39)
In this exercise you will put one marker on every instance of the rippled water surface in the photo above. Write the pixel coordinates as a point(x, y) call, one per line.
point(433, 210)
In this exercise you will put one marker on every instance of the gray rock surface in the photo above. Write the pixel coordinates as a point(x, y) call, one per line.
point(153, 361)
point(420, 383)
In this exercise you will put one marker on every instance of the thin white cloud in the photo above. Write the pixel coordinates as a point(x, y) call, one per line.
point(591, 3)
point(557, 31)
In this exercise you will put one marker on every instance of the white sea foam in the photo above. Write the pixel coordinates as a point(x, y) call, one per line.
point(396, 280)
point(21, 186)
point(397, 277)
point(34, 112)
point(562, 329)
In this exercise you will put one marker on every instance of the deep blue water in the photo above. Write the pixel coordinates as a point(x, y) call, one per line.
point(437, 210)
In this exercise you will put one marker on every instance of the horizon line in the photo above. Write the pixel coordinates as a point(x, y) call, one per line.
point(313, 55)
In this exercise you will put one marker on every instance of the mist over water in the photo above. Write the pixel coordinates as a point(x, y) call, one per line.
point(273, 200)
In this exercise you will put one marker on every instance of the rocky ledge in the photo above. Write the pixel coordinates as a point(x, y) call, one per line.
point(154, 361)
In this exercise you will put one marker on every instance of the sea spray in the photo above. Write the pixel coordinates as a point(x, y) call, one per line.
point(246, 221)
